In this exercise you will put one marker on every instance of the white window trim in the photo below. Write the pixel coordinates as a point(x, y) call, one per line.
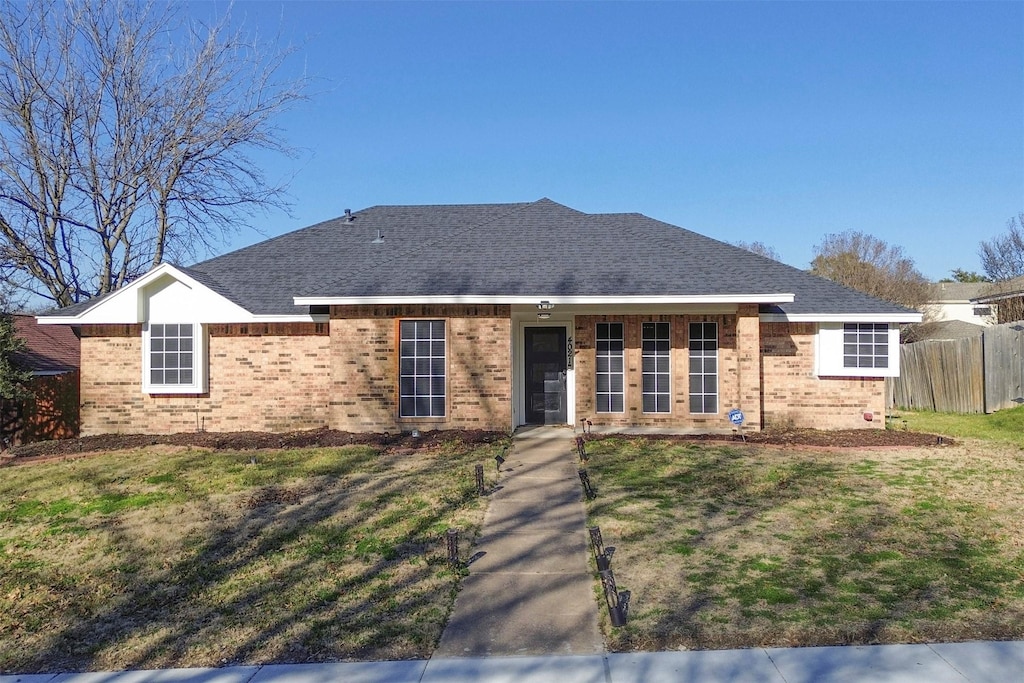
point(447, 351)
point(621, 374)
point(200, 361)
point(643, 375)
point(828, 361)
point(718, 367)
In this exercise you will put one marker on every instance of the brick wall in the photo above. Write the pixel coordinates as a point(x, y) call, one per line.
point(738, 376)
point(267, 377)
point(793, 396)
point(364, 367)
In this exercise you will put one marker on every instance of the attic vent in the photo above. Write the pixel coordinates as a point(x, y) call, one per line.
point(348, 216)
point(379, 239)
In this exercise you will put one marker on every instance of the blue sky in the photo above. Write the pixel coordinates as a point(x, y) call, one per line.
point(776, 122)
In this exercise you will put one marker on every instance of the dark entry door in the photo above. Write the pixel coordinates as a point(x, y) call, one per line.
point(546, 375)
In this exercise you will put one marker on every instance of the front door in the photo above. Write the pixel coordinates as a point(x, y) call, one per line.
point(546, 391)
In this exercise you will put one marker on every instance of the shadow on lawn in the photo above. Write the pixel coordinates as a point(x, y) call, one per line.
point(246, 593)
point(858, 565)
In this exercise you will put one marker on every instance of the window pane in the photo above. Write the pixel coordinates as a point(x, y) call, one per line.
point(437, 407)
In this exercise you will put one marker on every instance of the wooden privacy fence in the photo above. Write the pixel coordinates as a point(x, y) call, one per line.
point(972, 375)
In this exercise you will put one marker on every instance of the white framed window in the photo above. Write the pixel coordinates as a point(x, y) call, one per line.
point(858, 349)
point(703, 368)
point(610, 379)
point(174, 358)
point(657, 376)
point(865, 345)
point(422, 373)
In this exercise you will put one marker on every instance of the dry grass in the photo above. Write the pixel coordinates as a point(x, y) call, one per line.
point(168, 557)
point(754, 546)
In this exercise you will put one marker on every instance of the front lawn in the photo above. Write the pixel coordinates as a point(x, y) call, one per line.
point(742, 546)
point(1006, 426)
point(170, 556)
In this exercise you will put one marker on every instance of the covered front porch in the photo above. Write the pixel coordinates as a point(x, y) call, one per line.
point(678, 367)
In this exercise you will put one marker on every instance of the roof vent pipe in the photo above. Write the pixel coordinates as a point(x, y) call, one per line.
point(348, 216)
point(379, 239)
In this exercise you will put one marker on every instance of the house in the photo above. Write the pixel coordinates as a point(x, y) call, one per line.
point(486, 316)
point(1007, 296)
point(957, 301)
point(52, 355)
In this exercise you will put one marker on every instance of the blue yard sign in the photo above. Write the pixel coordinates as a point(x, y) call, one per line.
point(736, 417)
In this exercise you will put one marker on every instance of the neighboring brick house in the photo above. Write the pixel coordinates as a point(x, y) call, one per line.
point(483, 316)
point(52, 355)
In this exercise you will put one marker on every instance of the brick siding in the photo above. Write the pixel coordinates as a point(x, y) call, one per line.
point(364, 367)
point(738, 376)
point(793, 396)
point(272, 377)
point(344, 375)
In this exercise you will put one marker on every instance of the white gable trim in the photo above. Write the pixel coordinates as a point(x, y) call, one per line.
point(130, 304)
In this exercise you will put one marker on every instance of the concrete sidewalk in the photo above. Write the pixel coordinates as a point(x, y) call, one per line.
point(530, 590)
point(1001, 662)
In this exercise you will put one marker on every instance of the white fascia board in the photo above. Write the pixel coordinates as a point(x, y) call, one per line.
point(120, 298)
point(126, 306)
point(550, 298)
point(841, 317)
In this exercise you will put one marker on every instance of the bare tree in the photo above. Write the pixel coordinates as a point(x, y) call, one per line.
point(125, 135)
point(1002, 259)
point(761, 249)
point(870, 265)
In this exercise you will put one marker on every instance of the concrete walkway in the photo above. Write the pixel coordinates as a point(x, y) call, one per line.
point(530, 590)
point(949, 663)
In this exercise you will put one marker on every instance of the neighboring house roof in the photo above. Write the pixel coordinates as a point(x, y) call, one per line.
point(997, 291)
point(513, 253)
point(943, 329)
point(949, 292)
point(48, 348)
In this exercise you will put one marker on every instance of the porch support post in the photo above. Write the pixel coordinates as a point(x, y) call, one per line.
point(748, 347)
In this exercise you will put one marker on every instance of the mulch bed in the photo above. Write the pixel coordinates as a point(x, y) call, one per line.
point(404, 442)
point(839, 438)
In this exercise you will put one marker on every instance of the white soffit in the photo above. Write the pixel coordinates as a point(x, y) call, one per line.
point(841, 317)
point(552, 299)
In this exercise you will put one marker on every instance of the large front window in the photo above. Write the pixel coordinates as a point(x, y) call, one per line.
point(610, 393)
point(174, 358)
point(657, 393)
point(703, 367)
point(422, 371)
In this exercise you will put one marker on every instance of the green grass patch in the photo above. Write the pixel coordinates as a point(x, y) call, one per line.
point(1005, 426)
point(769, 547)
point(153, 559)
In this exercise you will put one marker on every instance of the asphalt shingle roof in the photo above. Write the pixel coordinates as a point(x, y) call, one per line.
point(531, 249)
point(48, 348)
